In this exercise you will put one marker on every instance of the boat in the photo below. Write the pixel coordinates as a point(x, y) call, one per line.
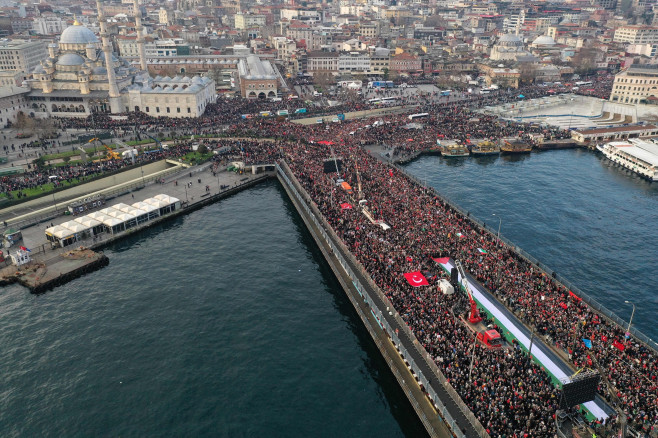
point(515, 146)
point(638, 156)
point(485, 148)
point(454, 150)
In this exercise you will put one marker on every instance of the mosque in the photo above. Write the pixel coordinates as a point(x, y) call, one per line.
point(75, 80)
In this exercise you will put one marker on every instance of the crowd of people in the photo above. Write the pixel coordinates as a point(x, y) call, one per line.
point(510, 394)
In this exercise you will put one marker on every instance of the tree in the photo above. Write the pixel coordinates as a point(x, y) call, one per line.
point(386, 74)
point(323, 79)
point(528, 72)
point(435, 21)
point(584, 61)
point(23, 122)
point(202, 150)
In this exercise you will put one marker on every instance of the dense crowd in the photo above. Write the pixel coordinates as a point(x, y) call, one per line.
point(509, 394)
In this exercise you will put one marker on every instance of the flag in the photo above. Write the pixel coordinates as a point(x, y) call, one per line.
point(416, 279)
point(482, 251)
point(390, 172)
point(441, 260)
point(410, 259)
point(564, 306)
point(460, 235)
point(627, 335)
point(24, 249)
point(574, 296)
point(589, 360)
point(346, 206)
point(587, 342)
point(618, 345)
point(604, 338)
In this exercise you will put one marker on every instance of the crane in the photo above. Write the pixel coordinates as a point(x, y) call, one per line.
point(110, 152)
point(474, 315)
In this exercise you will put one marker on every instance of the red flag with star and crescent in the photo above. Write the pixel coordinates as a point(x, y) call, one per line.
point(416, 279)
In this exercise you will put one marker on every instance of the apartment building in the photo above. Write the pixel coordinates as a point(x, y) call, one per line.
point(636, 35)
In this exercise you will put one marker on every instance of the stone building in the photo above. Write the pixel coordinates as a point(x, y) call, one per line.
point(637, 84)
point(258, 78)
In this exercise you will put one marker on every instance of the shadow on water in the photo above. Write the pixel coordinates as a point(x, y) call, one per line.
point(454, 161)
point(485, 160)
point(514, 158)
point(377, 367)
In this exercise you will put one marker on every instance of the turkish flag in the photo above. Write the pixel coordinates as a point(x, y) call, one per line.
point(390, 172)
point(346, 206)
point(618, 345)
point(416, 279)
point(441, 260)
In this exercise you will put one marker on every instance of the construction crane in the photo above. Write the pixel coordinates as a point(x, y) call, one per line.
point(474, 315)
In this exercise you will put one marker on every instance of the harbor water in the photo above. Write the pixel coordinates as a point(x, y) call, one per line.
point(225, 322)
point(590, 221)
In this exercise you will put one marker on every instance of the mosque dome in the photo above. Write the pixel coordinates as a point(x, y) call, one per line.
point(544, 40)
point(70, 59)
point(510, 40)
point(77, 34)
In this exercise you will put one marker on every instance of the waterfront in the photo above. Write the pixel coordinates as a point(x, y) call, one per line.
point(591, 222)
point(225, 322)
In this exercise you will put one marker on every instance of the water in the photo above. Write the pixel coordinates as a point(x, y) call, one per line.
point(591, 222)
point(225, 322)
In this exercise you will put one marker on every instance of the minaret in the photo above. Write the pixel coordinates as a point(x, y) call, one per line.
point(140, 35)
point(115, 96)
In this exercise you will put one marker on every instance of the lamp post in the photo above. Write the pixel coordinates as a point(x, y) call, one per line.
point(470, 368)
point(500, 222)
point(628, 329)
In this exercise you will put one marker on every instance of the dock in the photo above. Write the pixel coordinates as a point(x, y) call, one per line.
point(50, 267)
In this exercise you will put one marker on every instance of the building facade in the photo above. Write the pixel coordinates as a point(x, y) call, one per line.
point(637, 84)
point(636, 35)
point(21, 56)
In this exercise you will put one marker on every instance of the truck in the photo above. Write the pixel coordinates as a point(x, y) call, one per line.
point(490, 338)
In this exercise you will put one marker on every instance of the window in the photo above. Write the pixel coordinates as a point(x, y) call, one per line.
point(178, 110)
point(167, 109)
point(189, 110)
point(157, 109)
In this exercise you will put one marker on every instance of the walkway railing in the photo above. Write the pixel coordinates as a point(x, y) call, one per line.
point(333, 240)
point(592, 302)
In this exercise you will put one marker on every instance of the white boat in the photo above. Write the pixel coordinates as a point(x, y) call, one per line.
point(636, 155)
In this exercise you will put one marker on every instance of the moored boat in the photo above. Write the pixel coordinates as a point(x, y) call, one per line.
point(485, 148)
point(638, 156)
point(454, 150)
point(515, 146)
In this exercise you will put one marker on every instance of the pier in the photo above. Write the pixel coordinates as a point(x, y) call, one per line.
point(51, 267)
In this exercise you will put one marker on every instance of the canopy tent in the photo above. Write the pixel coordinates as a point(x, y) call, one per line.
point(58, 231)
point(167, 198)
point(120, 206)
point(74, 226)
point(87, 221)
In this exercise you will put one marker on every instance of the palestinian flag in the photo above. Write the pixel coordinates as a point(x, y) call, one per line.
point(460, 235)
point(482, 251)
point(441, 260)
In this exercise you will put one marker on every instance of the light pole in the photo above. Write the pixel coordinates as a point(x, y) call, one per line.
point(470, 368)
point(500, 222)
point(628, 329)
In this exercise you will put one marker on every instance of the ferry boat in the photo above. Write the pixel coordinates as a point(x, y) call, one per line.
point(454, 150)
point(638, 156)
point(485, 148)
point(515, 146)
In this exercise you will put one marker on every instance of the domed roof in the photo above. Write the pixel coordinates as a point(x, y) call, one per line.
point(509, 39)
point(77, 34)
point(39, 69)
point(70, 59)
point(99, 71)
point(544, 40)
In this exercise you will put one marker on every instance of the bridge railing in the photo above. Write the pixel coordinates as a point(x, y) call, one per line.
point(592, 302)
point(333, 240)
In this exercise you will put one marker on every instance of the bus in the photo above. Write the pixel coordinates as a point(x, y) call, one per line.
point(583, 83)
point(418, 116)
point(374, 101)
point(446, 92)
point(389, 100)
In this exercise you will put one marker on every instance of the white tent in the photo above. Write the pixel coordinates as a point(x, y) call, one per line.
point(98, 216)
point(111, 221)
point(120, 206)
point(58, 231)
point(167, 198)
point(87, 221)
point(74, 226)
point(157, 202)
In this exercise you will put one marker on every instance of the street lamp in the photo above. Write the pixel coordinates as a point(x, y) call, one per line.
point(500, 222)
point(628, 329)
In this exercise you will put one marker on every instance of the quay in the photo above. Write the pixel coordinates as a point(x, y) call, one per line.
point(51, 267)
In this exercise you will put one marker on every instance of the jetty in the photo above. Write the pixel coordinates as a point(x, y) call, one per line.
point(51, 266)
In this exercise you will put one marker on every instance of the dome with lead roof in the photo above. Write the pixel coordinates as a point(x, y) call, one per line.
point(77, 34)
